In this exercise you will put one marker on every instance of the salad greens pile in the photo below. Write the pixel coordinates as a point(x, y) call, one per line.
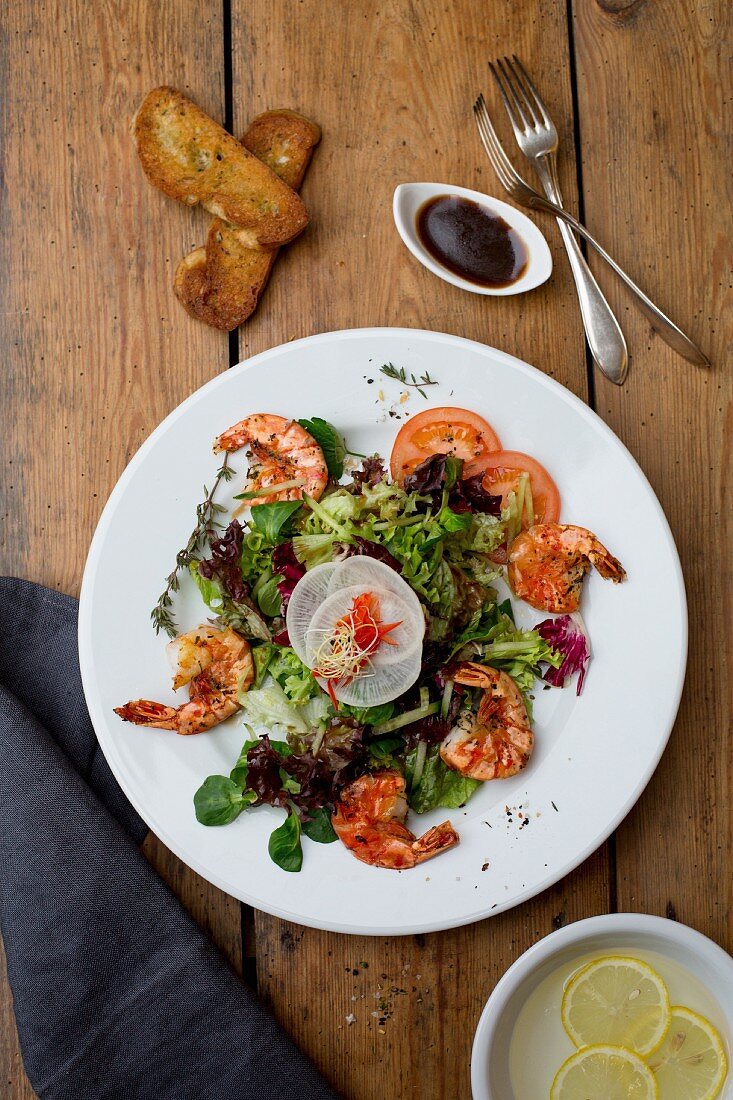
point(440, 532)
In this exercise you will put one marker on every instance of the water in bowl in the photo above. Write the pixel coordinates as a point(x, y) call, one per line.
point(539, 1043)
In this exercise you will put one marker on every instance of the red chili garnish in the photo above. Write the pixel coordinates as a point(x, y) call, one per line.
point(355, 638)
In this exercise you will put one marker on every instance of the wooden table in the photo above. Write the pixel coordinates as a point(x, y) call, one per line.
point(97, 351)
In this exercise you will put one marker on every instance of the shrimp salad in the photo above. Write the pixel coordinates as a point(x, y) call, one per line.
point(353, 614)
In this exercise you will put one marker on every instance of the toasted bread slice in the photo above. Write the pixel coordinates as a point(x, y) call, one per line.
point(221, 284)
point(284, 141)
point(191, 158)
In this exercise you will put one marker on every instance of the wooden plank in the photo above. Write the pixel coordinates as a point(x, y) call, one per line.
point(96, 348)
point(658, 193)
point(415, 1000)
point(13, 1082)
point(395, 105)
point(392, 85)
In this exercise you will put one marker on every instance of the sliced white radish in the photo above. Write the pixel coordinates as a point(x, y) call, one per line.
point(372, 573)
point(307, 596)
point(404, 639)
point(326, 595)
point(383, 686)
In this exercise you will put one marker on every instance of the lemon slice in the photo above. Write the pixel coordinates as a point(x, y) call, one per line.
point(618, 1001)
point(604, 1073)
point(690, 1064)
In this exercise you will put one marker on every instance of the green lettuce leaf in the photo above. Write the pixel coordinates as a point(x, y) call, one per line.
point(452, 522)
point(256, 557)
point(331, 513)
point(385, 752)
point(269, 519)
point(239, 616)
point(330, 442)
point(209, 590)
point(267, 594)
point(369, 716)
point(438, 785)
point(269, 706)
point(485, 534)
point(261, 655)
point(492, 638)
point(293, 676)
point(238, 774)
point(312, 550)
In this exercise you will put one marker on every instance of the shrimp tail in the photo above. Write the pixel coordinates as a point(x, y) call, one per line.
point(234, 438)
point(143, 712)
point(609, 567)
point(472, 674)
point(434, 841)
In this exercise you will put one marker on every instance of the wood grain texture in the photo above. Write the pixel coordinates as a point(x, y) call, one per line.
point(97, 351)
point(415, 1000)
point(658, 193)
point(14, 1084)
point(94, 352)
point(392, 84)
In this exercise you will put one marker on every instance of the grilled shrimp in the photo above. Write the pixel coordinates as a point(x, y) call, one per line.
point(548, 562)
point(370, 820)
point(217, 665)
point(498, 742)
point(284, 454)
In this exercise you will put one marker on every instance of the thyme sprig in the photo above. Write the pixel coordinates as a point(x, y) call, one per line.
point(206, 526)
point(400, 375)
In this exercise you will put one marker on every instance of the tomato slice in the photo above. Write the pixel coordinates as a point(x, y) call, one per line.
point(501, 475)
point(502, 471)
point(445, 430)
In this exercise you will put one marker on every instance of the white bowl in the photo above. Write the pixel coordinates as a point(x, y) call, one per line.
point(625, 932)
point(409, 197)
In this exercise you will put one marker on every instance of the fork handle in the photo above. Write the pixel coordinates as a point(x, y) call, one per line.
point(602, 330)
point(659, 321)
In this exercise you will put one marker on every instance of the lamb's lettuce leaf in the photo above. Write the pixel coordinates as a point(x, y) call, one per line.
point(219, 800)
point(284, 845)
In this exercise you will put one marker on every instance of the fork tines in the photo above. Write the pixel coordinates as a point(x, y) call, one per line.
point(501, 164)
point(519, 94)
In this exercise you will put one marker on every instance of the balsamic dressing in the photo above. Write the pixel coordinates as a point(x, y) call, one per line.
point(470, 241)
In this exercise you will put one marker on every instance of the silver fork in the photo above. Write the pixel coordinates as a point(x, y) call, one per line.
point(519, 190)
point(537, 138)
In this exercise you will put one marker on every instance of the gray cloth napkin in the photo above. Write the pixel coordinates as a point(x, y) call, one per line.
point(117, 994)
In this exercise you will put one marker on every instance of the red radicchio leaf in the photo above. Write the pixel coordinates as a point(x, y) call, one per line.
point(341, 756)
point(466, 495)
point(316, 781)
point(564, 635)
point(263, 773)
point(223, 565)
point(370, 473)
point(369, 549)
point(470, 495)
point(288, 568)
point(431, 729)
point(427, 477)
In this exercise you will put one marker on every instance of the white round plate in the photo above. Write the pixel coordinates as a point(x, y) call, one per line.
point(593, 754)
